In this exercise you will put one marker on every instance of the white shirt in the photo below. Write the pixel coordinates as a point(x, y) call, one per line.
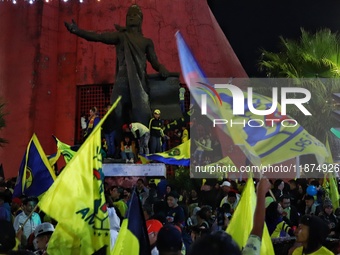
point(30, 225)
point(138, 126)
point(114, 225)
point(83, 123)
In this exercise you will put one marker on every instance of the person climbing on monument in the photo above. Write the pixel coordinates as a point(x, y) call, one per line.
point(132, 50)
point(141, 133)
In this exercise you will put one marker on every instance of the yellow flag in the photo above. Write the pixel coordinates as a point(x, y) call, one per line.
point(333, 187)
point(179, 155)
point(126, 243)
point(133, 236)
point(333, 192)
point(265, 139)
point(274, 141)
point(329, 158)
point(76, 200)
point(65, 150)
point(241, 223)
point(221, 169)
point(144, 160)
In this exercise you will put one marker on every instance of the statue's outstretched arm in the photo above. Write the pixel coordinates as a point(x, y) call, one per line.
point(152, 58)
point(107, 37)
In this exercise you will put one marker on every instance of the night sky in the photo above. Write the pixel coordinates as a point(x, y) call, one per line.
point(251, 25)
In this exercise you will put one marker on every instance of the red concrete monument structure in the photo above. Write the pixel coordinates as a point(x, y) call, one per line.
point(42, 65)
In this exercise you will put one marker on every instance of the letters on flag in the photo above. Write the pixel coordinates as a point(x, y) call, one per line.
point(274, 141)
point(35, 172)
point(263, 140)
point(76, 201)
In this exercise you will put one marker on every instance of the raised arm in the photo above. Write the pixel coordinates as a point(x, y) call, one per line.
point(152, 58)
point(107, 38)
point(260, 209)
point(253, 246)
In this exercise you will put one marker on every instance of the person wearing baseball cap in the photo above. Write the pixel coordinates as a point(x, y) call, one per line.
point(16, 206)
point(226, 184)
point(226, 188)
point(43, 233)
point(153, 227)
point(156, 132)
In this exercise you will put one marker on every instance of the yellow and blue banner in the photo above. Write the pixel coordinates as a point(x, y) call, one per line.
point(35, 172)
point(274, 141)
point(179, 155)
point(241, 223)
point(133, 236)
point(265, 139)
point(76, 201)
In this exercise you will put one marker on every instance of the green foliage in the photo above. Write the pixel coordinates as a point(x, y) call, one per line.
point(313, 56)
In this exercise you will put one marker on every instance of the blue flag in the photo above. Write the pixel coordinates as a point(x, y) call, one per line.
point(35, 172)
point(179, 155)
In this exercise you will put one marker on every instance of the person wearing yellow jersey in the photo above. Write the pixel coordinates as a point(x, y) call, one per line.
point(156, 132)
point(116, 194)
point(312, 233)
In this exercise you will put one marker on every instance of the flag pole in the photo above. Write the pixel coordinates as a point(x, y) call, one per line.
point(298, 173)
point(28, 217)
point(272, 195)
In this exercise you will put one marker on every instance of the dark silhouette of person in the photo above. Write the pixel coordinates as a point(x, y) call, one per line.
point(133, 50)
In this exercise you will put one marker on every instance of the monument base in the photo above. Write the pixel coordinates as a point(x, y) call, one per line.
point(153, 169)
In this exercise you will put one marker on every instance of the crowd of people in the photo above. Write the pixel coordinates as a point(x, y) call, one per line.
point(182, 221)
point(190, 221)
point(133, 139)
point(177, 221)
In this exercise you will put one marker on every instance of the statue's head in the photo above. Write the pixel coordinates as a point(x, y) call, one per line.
point(134, 16)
